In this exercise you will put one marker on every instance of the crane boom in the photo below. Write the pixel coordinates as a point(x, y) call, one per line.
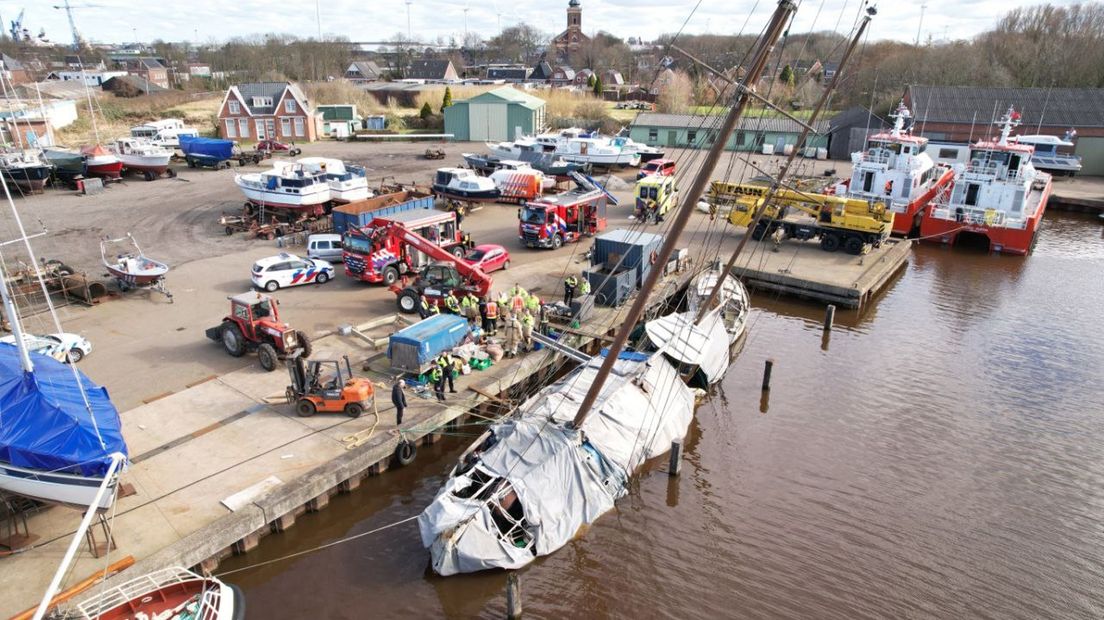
point(472, 273)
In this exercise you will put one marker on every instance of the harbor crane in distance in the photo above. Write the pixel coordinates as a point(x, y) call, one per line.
point(847, 223)
point(68, 8)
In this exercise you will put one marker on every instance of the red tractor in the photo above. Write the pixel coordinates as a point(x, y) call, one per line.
point(254, 325)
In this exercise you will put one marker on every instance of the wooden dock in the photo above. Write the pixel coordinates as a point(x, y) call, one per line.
point(222, 464)
point(802, 269)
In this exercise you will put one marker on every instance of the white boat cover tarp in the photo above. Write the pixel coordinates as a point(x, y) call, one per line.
point(705, 345)
point(561, 481)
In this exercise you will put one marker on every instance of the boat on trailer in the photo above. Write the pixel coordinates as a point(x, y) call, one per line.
point(141, 155)
point(100, 162)
point(348, 182)
point(27, 169)
point(132, 268)
point(464, 184)
point(288, 186)
point(169, 594)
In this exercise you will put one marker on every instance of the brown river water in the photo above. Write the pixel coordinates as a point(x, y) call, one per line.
point(940, 456)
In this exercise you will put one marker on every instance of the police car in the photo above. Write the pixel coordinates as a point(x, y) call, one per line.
point(289, 270)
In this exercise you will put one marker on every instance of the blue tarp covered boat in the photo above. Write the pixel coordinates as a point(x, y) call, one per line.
point(412, 349)
point(51, 446)
point(206, 151)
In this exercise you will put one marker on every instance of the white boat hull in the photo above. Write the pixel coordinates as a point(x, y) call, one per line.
point(55, 487)
point(310, 196)
point(152, 163)
point(600, 159)
point(349, 191)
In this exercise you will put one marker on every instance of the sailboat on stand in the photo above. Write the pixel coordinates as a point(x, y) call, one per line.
point(536, 479)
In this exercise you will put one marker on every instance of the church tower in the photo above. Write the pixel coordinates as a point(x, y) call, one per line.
point(574, 15)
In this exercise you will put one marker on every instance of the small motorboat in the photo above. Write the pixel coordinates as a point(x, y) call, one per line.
point(347, 182)
point(286, 186)
point(143, 156)
point(171, 594)
point(489, 164)
point(647, 153)
point(68, 165)
point(133, 269)
point(464, 184)
point(27, 169)
point(101, 162)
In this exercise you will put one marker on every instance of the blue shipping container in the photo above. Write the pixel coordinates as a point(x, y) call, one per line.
point(362, 212)
point(375, 121)
point(632, 248)
point(412, 349)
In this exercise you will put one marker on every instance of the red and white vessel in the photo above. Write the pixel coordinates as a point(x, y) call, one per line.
point(896, 169)
point(101, 162)
point(141, 155)
point(998, 195)
point(169, 594)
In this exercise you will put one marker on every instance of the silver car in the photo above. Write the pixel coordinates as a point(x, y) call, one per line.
point(324, 246)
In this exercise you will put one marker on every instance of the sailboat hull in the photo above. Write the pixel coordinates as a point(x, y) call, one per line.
point(55, 487)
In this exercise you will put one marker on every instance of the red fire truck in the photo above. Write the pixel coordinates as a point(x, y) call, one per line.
point(373, 254)
point(551, 221)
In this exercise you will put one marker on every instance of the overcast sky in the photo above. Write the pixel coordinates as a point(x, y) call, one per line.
point(375, 20)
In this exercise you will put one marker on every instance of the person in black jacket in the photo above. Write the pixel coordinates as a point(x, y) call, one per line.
point(398, 398)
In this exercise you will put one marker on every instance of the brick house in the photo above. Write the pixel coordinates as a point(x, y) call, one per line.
point(260, 110)
point(562, 76)
point(582, 76)
point(149, 68)
point(13, 70)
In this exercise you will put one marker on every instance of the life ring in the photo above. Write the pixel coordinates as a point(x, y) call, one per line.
point(653, 258)
point(405, 452)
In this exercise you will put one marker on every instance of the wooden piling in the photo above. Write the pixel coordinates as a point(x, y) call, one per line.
point(767, 374)
point(829, 317)
point(513, 596)
point(676, 459)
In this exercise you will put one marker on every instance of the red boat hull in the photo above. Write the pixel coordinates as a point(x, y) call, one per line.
point(905, 223)
point(111, 171)
point(1004, 240)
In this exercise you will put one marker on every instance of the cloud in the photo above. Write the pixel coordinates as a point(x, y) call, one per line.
point(380, 20)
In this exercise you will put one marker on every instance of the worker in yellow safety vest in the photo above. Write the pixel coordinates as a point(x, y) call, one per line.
point(437, 378)
point(570, 284)
point(473, 308)
point(518, 290)
point(527, 331)
point(447, 364)
point(452, 305)
point(584, 287)
point(532, 304)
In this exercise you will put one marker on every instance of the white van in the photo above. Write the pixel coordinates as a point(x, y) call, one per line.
point(326, 247)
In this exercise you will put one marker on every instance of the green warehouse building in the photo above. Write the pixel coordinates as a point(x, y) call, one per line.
point(692, 130)
point(495, 115)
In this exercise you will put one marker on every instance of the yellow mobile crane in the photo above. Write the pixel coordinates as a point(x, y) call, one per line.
point(849, 223)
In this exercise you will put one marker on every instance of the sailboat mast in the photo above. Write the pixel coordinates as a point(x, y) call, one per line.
point(777, 181)
point(782, 14)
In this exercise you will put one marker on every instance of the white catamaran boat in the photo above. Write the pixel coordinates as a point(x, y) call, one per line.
point(287, 185)
point(347, 182)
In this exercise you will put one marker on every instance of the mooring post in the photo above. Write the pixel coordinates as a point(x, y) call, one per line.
point(829, 317)
point(767, 374)
point(513, 596)
point(676, 459)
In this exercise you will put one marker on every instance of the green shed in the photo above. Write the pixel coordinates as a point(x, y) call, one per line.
point(498, 114)
point(696, 131)
point(338, 120)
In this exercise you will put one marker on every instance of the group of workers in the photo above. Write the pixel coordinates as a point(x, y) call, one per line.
point(518, 311)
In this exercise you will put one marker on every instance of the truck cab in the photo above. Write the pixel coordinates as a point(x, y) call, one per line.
point(552, 221)
point(371, 255)
point(655, 195)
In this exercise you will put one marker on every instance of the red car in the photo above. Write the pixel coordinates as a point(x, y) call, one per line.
point(276, 145)
point(659, 167)
point(489, 257)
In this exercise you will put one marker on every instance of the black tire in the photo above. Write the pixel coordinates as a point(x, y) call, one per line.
point(407, 301)
point(305, 408)
point(149, 175)
point(241, 161)
point(229, 231)
point(759, 232)
point(74, 356)
point(60, 267)
point(170, 173)
point(305, 344)
point(272, 286)
point(406, 452)
point(191, 164)
point(557, 242)
point(457, 251)
point(353, 410)
point(322, 278)
point(232, 339)
point(829, 242)
point(266, 354)
point(853, 245)
point(390, 275)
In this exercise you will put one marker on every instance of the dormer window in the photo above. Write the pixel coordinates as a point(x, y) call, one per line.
point(262, 102)
point(289, 106)
point(234, 107)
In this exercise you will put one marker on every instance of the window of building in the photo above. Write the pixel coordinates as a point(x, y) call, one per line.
point(235, 107)
point(692, 136)
point(289, 106)
point(243, 127)
point(262, 102)
point(300, 127)
point(741, 138)
point(653, 135)
point(231, 128)
point(285, 126)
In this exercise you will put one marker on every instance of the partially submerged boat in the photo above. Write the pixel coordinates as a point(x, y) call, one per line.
point(464, 184)
point(168, 594)
point(287, 185)
point(348, 182)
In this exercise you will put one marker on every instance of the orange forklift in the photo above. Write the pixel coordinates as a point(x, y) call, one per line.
point(325, 386)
